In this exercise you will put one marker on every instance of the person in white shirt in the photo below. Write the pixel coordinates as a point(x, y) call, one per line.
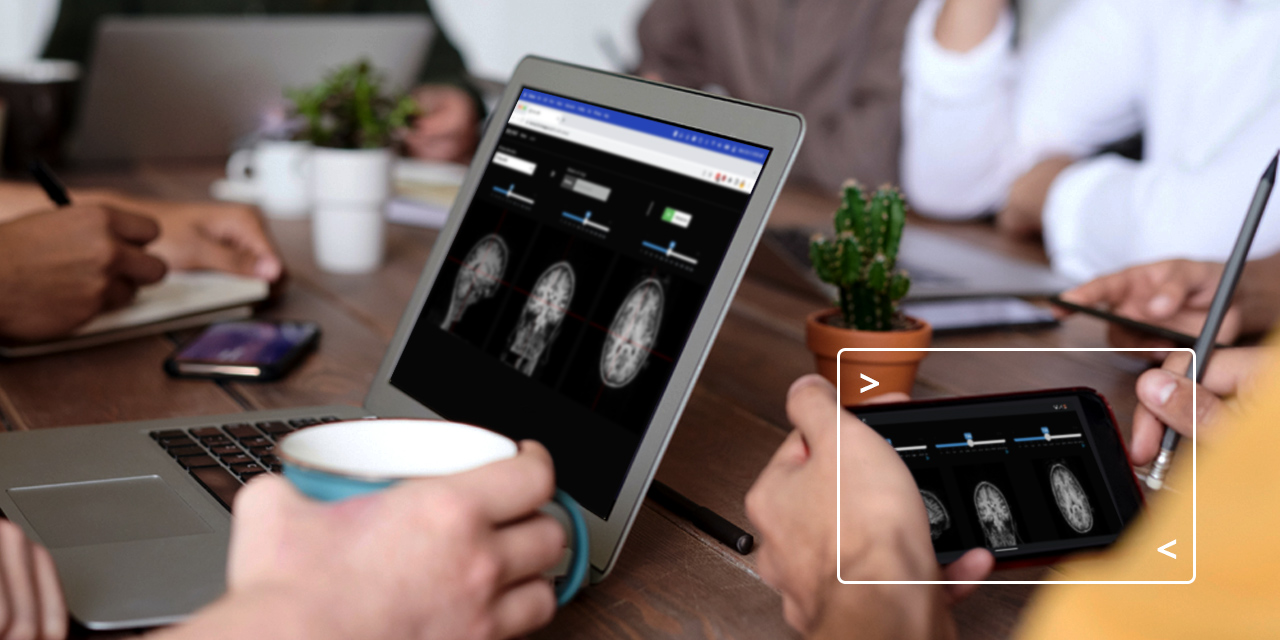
point(990, 128)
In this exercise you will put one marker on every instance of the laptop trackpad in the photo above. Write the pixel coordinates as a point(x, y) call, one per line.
point(106, 511)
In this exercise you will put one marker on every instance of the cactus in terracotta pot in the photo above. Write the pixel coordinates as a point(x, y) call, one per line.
point(860, 258)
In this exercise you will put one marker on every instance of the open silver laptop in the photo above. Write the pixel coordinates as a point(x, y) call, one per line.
point(572, 298)
point(189, 87)
point(940, 267)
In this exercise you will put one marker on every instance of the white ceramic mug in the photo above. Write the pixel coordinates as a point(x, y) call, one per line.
point(347, 459)
point(279, 174)
point(349, 192)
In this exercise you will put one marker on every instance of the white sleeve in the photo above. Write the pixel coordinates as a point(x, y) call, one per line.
point(975, 121)
point(957, 119)
point(1108, 213)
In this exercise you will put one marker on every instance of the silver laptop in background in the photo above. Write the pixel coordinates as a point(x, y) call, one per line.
point(940, 267)
point(669, 195)
point(189, 87)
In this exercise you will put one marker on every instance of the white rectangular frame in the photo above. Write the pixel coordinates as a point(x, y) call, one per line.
point(840, 411)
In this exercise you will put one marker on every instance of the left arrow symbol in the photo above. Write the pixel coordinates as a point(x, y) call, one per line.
point(1164, 549)
point(874, 383)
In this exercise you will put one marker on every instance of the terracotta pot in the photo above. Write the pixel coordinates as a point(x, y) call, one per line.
point(895, 370)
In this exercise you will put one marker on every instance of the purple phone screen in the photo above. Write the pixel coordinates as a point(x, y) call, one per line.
point(250, 342)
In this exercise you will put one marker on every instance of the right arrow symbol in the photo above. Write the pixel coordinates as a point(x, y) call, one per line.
point(874, 383)
point(1164, 549)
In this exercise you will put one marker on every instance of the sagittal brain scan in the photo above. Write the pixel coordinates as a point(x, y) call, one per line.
point(540, 320)
point(478, 277)
point(632, 334)
point(1071, 499)
point(939, 519)
point(995, 516)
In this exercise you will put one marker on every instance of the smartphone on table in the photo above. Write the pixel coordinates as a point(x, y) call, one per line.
point(244, 350)
point(1032, 476)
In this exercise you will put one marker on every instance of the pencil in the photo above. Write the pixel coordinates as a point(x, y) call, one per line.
point(1217, 311)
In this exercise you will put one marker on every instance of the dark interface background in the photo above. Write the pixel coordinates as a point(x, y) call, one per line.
point(562, 307)
point(1020, 478)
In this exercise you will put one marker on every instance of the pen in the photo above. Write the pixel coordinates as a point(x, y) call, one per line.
point(1217, 310)
point(49, 182)
point(703, 518)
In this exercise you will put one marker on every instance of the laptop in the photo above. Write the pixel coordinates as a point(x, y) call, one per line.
point(572, 298)
point(940, 267)
point(189, 87)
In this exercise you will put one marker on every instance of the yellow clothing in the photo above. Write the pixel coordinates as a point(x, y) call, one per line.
point(1236, 593)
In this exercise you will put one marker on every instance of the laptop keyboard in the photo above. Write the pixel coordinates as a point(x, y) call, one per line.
point(223, 458)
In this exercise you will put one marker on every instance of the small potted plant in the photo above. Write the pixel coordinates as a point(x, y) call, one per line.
point(354, 125)
point(860, 261)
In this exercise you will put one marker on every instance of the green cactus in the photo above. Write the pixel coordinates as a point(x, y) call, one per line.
point(859, 259)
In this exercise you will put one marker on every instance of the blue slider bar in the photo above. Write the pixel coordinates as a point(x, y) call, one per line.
point(1043, 430)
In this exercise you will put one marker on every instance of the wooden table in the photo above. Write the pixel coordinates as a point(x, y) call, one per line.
point(672, 581)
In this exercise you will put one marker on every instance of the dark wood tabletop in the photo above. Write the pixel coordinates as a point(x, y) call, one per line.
point(672, 580)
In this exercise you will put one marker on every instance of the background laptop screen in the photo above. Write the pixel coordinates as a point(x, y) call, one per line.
point(574, 280)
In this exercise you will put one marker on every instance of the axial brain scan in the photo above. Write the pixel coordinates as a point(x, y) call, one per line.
point(632, 334)
point(478, 277)
point(540, 320)
point(995, 516)
point(1071, 499)
point(939, 519)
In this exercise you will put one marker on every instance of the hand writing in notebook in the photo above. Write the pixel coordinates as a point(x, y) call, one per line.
point(62, 267)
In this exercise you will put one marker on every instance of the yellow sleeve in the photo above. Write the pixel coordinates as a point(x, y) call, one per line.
point(1236, 591)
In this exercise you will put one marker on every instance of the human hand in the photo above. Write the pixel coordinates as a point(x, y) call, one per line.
point(31, 604)
point(206, 235)
point(447, 128)
point(884, 528)
point(444, 558)
point(60, 268)
point(1165, 396)
point(964, 24)
point(1175, 294)
point(1023, 213)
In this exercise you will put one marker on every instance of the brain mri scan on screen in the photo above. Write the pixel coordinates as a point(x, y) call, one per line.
point(632, 334)
point(478, 278)
point(540, 319)
point(995, 516)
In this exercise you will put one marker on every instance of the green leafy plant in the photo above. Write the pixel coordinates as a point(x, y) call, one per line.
point(350, 110)
point(860, 258)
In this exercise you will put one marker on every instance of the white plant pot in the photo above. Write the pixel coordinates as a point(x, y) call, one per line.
point(349, 189)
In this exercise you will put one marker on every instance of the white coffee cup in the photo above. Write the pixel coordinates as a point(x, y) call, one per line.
point(279, 175)
point(349, 189)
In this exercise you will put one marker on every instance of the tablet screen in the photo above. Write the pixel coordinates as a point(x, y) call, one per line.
point(1022, 476)
point(574, 280)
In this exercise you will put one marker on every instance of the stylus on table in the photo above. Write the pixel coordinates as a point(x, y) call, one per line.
point(1217, 310)
point(49, 182)
point(1176, 337)
point(703, 518)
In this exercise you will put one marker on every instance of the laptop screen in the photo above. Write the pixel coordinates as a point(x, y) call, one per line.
point(575, 277)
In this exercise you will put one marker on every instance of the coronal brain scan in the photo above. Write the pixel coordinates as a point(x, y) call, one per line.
point(632, 334)
point(1071, 499)
point(478, 277)
point(939, 519)
point(540, 319)
point(995, 516)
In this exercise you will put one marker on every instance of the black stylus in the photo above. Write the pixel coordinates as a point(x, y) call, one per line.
point(703, 518)
point(50, 183)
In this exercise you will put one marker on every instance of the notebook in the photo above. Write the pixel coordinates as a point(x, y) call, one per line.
point(182, 300)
